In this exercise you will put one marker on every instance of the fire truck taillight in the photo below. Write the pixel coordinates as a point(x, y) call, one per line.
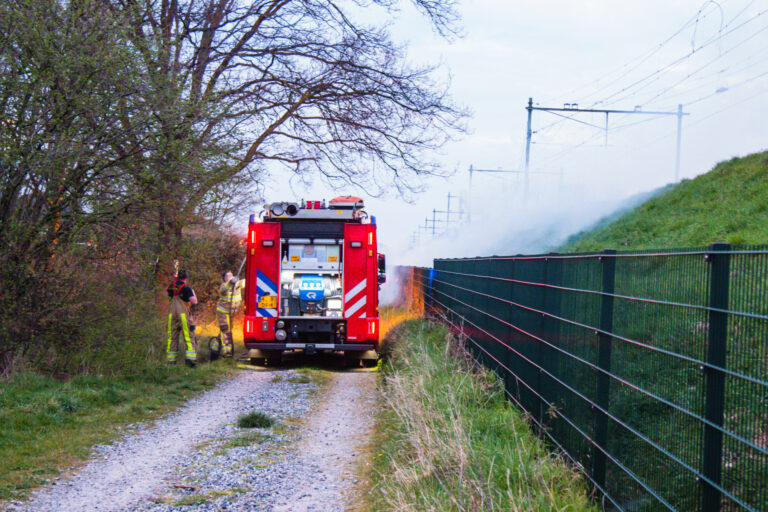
point(249, 326)
point(371, 327)
point(253, 237)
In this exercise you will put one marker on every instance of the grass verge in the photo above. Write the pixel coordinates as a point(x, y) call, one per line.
point(447, 439)
point(49, 425)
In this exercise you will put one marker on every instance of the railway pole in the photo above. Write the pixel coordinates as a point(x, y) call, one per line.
point(679, 136)
point(573, 109)
point(528, 133)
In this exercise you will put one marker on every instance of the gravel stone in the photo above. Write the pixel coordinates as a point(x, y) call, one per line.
point(308, 461)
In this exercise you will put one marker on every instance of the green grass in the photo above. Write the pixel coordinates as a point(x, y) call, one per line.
point(246, 440)
point(727, 204)
point(447, 439)
point(319, 376)
point(49, 425)
point(188, 501)
point(204, 499)
point(254, 420)
point(299, 379)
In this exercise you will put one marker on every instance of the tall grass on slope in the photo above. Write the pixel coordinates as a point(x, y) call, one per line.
point(729, 204)
point(447, 439)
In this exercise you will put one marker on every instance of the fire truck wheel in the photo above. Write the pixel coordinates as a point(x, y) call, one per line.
point(257, 361)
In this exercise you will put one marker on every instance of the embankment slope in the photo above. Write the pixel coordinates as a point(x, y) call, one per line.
point(728, 204)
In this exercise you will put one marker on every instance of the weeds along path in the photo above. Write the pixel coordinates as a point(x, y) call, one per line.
point(306, 461)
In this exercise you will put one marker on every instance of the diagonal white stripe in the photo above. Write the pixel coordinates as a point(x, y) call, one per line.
point(265, 286)
point(354, 291)
point(351, 310)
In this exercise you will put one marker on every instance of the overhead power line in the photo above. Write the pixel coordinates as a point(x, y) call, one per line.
point(679, 59)
point(636, 62)
point(575, 109)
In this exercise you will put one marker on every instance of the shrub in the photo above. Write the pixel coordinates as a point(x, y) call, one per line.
point(254, 420)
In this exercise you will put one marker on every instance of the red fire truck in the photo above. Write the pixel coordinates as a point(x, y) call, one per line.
point(312, 279)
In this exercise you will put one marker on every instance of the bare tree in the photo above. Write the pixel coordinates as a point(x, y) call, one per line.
point(237, 85)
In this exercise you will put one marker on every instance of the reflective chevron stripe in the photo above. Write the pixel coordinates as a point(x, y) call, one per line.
point(353, 309)
point(354, 291)
point(353, 302)
point(265, 287)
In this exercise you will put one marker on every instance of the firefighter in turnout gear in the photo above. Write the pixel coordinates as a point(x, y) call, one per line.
point(230, 299)
point(181, 296)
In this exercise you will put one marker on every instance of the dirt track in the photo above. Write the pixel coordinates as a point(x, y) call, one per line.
point(308, 462)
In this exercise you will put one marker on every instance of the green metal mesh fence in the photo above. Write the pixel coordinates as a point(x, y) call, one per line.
point(649, 370)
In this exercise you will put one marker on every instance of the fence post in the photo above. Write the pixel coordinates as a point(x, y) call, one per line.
point(541, 304)
point(719, 259)
point(428, 305)
point(604, 363)
point(551, 329)
point(510, 383)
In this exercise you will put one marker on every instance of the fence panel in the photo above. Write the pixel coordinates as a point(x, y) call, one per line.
point(647, 369)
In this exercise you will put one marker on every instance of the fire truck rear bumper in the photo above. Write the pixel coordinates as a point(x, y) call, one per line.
point(356, 347)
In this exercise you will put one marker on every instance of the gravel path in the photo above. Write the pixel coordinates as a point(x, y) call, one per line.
point(332, 448)
point(305, 462)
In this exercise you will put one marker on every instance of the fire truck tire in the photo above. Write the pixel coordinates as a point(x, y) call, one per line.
point(257, 361)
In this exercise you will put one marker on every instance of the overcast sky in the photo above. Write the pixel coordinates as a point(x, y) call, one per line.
point(597, 53)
